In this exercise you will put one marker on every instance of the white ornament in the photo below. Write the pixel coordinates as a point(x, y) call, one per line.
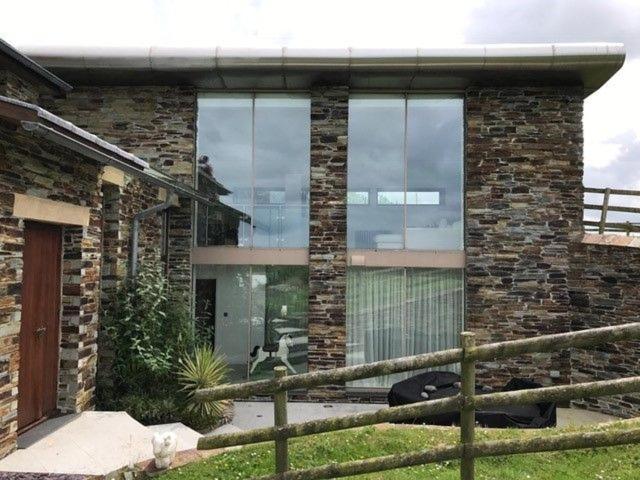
point(164, 448)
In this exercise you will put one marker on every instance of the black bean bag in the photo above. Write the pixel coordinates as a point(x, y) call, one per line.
point(447, 384)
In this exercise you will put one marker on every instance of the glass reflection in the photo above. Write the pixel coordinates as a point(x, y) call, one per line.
point(224, 168)
point(254, 153)
point(259, 316)
point(375, 163)
point(434, 162)
point(281, 185)
point(405, 187)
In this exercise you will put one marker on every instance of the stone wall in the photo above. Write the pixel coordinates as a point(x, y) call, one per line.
point(523, 209)
point(33, 167)
point(158, 125)
point(605, 290)
point(13, 86)
point(328, 232)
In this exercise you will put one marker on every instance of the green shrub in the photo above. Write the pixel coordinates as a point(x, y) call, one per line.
point(151, 410)
point(148, 336)
point(203, 369)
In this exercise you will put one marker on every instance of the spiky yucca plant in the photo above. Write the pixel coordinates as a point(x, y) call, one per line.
point(203, 369)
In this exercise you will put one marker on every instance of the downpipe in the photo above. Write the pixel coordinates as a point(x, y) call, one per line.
point(135, 232)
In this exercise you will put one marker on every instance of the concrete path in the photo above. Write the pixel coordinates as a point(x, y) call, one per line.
point(574, 417)
point(260, 414)
point(89, 443)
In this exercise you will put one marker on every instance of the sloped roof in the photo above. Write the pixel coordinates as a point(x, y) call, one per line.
point(39, 121)
point(12, 59)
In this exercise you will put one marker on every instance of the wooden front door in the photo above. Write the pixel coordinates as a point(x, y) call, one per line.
point(40, 326)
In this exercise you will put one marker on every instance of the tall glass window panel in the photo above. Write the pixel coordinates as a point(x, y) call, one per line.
point(434, 173)
point(375, 328)
point(279, 320)
point(281, 169)
point(375, 172)
point(225, 167)
point(256, 316)
point(227, 290)
point(396, 312)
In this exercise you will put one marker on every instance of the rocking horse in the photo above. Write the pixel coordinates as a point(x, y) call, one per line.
point(280, 350)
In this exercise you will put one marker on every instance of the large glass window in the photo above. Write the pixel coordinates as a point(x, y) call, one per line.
point(395, 312)
point(257, 316)
point(405, 172)
point(253, 151)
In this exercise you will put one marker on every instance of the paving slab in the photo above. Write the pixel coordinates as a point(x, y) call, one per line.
point(88, 443)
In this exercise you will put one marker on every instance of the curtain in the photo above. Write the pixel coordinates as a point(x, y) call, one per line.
point(395, 312)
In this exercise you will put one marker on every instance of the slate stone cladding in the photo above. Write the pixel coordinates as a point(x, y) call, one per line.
point(328, 233)
point(11, 85)
point(33, 167)
point(604, 285)
point(524, 200)
point(158, 125)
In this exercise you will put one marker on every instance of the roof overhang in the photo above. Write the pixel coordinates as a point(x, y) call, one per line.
point(586, 64)
point(23, 66)
point(40, 122)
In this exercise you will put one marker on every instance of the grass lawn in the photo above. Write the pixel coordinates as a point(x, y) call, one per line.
point(599, 464)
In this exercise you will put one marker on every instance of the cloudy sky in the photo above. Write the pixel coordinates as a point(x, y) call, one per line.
point(612, 130)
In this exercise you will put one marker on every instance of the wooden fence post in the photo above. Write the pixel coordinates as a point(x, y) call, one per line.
point(468, 410)
point(605, 207)
point(280, 420)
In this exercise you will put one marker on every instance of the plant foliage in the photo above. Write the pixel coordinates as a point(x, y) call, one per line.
point(203, 369)
point(148, 336)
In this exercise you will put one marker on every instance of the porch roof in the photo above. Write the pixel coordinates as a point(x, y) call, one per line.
point(41, 122)
point(587, 64)
point(12, 59)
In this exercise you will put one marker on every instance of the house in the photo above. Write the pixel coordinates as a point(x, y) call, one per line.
point(64, 196)
point(334, 207)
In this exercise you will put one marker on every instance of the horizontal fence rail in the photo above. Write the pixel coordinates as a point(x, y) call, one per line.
point(466, 402)
point(602, 225)
point(552, 443)
point(423, 409)
point(491, 351)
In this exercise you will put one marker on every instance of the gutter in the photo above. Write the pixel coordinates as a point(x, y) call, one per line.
point(150, 175)
point(477, 57)
point(38, 113)
point(135, 231)
point(591, 63)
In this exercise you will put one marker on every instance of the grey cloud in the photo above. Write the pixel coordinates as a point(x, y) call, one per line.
point(624, 172)
point(497, 21)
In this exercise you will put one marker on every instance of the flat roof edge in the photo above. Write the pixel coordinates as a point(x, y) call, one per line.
point(592, 63)
point(184, 58)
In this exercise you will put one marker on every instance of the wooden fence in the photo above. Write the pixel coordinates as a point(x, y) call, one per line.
point(602, 226)
point(466, 402)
